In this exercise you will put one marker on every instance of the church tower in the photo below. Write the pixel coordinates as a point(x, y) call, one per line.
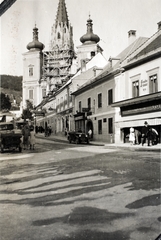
point(32, 71)
point(89, 47)
point(58, 60)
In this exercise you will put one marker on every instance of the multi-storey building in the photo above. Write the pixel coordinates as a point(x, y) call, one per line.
point(63, 71)
point(140, 84)
point(93, 100)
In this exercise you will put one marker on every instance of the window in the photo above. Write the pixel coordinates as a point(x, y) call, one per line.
point(31, 94)
point(70, 97)
point(31, 71)
point(99, 126)
point(92, 54)
point(135, 89)
point(80, 106)
point(153, 84)
point(99, 100)
point(89, 103)
point(43, 92)
point(110, 125)
point(104, 120)
point(110, 96)
point(59, 35)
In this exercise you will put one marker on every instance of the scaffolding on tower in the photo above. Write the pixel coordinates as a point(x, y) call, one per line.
point(57, 67)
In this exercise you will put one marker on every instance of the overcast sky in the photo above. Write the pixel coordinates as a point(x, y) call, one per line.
point(112, 19)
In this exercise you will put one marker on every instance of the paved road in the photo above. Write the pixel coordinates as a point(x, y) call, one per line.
point(64, 191)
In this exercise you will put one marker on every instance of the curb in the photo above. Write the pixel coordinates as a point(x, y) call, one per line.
point(134, 148)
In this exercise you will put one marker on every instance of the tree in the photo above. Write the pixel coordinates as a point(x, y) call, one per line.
point(5, 103)
point(28, 111)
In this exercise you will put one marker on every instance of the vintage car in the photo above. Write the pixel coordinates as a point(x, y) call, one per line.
point(10, 138)
point(77, 137)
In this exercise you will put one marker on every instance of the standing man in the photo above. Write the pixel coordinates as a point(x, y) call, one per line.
point(145, 131)
point(90, 133)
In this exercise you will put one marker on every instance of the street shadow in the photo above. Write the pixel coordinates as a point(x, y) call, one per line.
point(85, 215)
point(153, 200)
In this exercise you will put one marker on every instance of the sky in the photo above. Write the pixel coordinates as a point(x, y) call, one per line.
point(112, 19)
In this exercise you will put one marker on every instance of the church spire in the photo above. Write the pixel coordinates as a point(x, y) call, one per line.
point(62, 16)
point(62, 31)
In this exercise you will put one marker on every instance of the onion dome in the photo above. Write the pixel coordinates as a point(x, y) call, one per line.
point(35, 44)
point(89, 36)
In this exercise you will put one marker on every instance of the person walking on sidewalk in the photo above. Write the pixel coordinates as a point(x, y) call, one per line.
point(132, 136)
point(145, 131)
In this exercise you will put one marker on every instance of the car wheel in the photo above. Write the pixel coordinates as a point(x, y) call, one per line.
point(70, 140)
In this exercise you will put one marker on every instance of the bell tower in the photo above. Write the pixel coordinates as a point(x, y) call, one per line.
point(58, 60)
point(32, 70)
point(89, 47)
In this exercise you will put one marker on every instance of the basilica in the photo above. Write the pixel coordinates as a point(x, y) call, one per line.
point(73, 90)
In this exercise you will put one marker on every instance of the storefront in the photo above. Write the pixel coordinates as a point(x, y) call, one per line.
point(133, 113)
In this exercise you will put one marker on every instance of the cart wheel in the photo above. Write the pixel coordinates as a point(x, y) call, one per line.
point(2, 148)
point(20, 149)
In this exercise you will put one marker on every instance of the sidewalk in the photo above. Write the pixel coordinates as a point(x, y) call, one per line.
point(56, 138)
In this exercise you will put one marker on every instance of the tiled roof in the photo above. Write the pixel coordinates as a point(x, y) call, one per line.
point(151, 47)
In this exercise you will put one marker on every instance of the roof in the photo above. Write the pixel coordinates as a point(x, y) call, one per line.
point(62, 16)
point(108, 70)
point(150, 47)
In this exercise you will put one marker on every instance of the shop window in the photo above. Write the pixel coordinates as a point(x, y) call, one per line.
point(89, 103)
point(99, 100)
point(110, 125)
point(153, 83)
point(135, 89)
point(31, 71)
point(110, 96)
point(80, 106)
point(99, 126)
point(31, 94)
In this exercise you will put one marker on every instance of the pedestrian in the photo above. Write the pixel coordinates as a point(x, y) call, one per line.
point(26, 134)
point(137, 136)
point(132, 136)
point(145, 135)
point(90, 133)
point(32, 138)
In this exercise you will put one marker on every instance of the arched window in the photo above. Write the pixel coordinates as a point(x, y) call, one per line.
point(59, 35)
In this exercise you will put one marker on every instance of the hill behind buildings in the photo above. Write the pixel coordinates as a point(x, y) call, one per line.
point(12, 86)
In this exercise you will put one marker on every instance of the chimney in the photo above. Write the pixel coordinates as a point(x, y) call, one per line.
point(159, 25)
point(131, 36)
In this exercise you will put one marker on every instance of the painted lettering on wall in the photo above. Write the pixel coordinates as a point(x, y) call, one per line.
point(144, 84)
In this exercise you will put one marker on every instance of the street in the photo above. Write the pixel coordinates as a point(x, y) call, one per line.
point(63, 191)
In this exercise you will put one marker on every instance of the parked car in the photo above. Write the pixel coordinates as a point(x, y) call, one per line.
point(10, 138)
point(78, 137)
